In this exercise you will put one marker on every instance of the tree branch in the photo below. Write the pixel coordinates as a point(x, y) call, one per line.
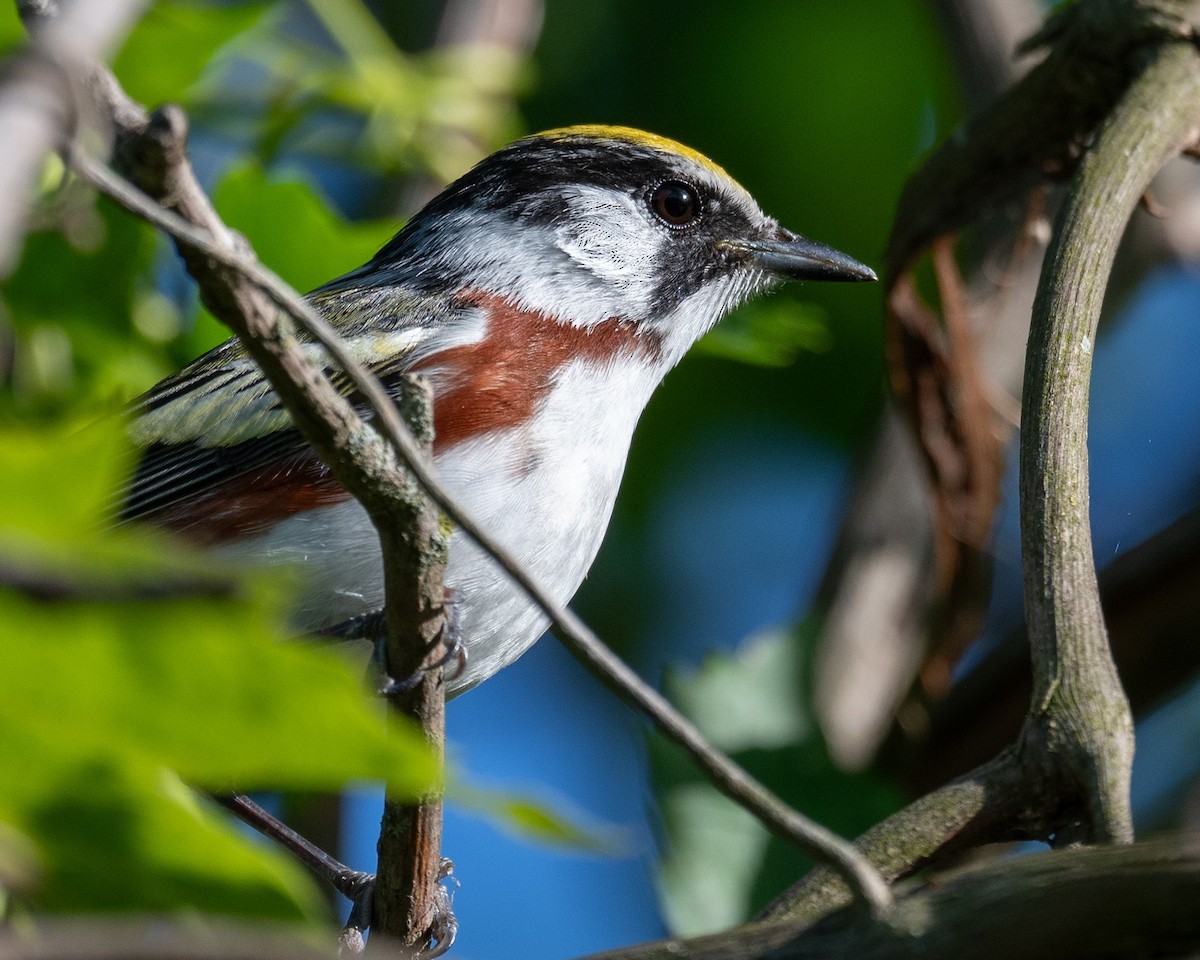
point(1005, 154)
point(36, 112)
point(1089, 903)
point(1079, 714)
point(1149, 597)
point(1073, 757)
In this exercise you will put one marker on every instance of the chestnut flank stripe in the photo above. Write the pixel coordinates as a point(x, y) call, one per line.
point(253, 502)
point(497, 383)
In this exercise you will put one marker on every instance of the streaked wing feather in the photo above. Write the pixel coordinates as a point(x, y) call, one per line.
point(171, 474)
point(218, 419)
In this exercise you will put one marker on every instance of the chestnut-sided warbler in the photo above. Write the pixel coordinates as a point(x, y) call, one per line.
point(545, 295)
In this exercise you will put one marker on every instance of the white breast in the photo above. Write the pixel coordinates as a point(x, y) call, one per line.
point(545, 490)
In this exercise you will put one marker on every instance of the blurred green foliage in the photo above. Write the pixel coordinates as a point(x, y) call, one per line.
point(719, 864)
point(534, 820)
point(175, 42)
point(129, 663)
point(71, 307)
point(11, 31)
point(290, 225)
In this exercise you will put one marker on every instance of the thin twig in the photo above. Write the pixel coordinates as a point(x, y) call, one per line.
point(728, 777)
point(408, 905)
point(345, 880)
point(355, 885)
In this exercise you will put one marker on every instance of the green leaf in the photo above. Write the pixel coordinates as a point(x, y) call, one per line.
point(769, 334)
point(203, 686)
point(749, 700)
point(40, 499)
point(293, 230)
point(173, 43)
point(125, 836)
point(71, 301)
point(721, 864)
point(537, 821)
point(12, 33)
point(716, 850)
point(126, 656)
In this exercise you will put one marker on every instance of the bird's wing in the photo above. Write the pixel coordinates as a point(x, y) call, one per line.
point(216, 432)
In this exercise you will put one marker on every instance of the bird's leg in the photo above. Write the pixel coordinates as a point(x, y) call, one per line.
point(366, 626)
point(373, 627)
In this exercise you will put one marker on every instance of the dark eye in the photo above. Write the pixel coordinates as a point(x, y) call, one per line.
point(675, 203)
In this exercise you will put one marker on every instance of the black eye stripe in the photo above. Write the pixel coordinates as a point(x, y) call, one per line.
point(675, 203)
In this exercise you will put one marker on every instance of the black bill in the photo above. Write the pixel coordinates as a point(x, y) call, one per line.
point(793, 257)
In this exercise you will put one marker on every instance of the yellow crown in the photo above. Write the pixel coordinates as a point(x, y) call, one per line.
point(632, 135)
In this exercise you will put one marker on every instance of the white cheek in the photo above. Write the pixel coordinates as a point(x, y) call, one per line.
point(612, 244)
point(595, 264)
point(611, 239)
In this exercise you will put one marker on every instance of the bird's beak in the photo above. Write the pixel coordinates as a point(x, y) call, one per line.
point(790, 256)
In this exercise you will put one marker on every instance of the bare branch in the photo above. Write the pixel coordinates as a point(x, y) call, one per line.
point(1033, 135)
point(998, 801)
point(1079, 714)
point(1096, 903)
point(1073, 756)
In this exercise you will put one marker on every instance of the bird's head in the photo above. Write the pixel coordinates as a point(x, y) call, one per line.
point(588, 225)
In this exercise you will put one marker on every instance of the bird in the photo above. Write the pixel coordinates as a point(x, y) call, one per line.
point(545, 294)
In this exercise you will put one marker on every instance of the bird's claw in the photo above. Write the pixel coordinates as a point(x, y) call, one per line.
point(443, 929)
point(453, 658)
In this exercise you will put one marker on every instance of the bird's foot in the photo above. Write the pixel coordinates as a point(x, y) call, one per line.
point(443, 928)
point(452, 657)
point(372, 626)
point(366, 626)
